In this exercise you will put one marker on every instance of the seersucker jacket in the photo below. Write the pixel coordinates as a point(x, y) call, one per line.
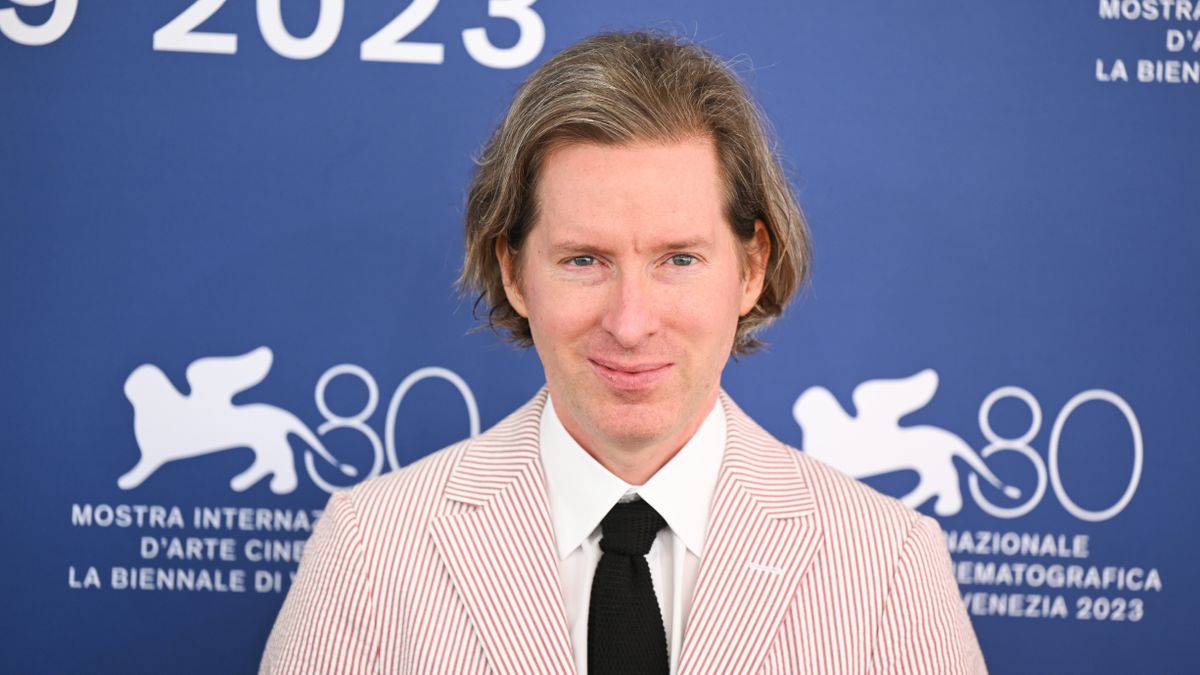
point(449, 566)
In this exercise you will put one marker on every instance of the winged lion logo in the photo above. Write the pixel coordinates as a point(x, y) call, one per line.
point(873, 442)
point(169, 425)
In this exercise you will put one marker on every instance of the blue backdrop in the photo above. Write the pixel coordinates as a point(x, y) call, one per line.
point(1003, 194)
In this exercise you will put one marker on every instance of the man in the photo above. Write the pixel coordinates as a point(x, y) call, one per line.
point(629, 220)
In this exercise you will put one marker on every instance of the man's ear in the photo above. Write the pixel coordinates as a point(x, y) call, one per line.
point(512, 291)
point(758, 252)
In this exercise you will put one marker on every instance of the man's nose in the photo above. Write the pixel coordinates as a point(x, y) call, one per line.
point(631, 316)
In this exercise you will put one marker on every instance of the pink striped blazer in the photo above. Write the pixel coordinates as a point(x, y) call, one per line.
point(449, 566)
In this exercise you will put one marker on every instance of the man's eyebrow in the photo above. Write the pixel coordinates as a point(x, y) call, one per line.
point(687, 244)
point(573, 246)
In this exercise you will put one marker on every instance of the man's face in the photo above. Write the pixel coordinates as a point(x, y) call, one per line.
point(633, 282)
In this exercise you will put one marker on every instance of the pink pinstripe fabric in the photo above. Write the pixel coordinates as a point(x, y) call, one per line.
point(448, 566)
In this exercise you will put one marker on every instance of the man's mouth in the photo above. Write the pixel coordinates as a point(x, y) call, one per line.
point(630, 375)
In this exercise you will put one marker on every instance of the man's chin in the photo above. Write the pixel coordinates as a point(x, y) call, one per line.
point(628, 401)
point(627, 417)
point(635, 438)
point(632, 423)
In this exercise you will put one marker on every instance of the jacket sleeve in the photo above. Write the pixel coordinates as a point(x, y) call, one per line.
point(925, 627)
point(326, 624)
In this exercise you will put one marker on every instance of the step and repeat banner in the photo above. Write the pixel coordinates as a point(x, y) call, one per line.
point(229, 232)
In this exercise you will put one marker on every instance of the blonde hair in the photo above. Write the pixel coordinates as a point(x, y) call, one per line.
point(616, 89)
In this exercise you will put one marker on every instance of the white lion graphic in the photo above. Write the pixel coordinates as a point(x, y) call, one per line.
point(874, 443)
point(170, 426)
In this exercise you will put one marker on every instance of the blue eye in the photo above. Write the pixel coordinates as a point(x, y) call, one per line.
point(582, 261)
point(682, 259)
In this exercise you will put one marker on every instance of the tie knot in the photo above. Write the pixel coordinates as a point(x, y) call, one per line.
point(630, 528)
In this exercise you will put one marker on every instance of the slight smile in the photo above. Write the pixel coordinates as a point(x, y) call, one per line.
point(630, 377)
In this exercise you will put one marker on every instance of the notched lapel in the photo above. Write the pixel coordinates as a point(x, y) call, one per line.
point(500, 554)
point(761, 539)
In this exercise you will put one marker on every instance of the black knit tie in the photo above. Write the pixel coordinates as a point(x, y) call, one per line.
point(625, 627)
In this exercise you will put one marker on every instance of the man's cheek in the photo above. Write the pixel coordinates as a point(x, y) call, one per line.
point(568, 319)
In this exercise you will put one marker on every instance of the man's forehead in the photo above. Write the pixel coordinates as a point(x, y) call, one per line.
point(692, 159)
point(656, 194)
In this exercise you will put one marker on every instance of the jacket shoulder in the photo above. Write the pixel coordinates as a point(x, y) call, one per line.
point(423, 480)
point(416, 493)
point(852, 507)
point(838, 494)
point(895, 561)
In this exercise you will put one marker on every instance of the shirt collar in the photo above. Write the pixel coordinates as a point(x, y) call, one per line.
point(582, 491)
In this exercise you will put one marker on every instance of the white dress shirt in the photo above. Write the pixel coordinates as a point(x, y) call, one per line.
point(582, 492)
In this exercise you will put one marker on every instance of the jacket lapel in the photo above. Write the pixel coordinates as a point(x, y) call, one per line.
point(761, 538)
point(499, 552)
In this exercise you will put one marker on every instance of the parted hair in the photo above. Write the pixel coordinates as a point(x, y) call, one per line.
point(617, 89)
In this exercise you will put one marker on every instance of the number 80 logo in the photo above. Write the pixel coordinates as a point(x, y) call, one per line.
point(358, 421)
point(1020, 445)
